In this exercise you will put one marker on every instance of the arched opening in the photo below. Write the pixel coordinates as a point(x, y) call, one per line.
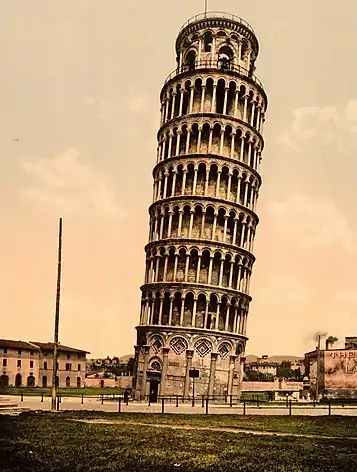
point(30, 381)
point(216, 266)
point(221, 85)
point(44, 381)
point(212, 180)
point(200, 311)
point(190, 60)
point(4, 380)
point(155, 318)
point(223, 314)
point(197, 222)
point(201, 178)
point(225, 57)
point(176, 309)
point(68, 381)
point(192, 267)
point(185, 222)
point(188, 309)
point(18, 380)
point(171, 266)
point(212, 312)
point(181, 265)
point(209, 219)
point(166, 309)
point(79, 382)
point(204, 267)
point(207, 42)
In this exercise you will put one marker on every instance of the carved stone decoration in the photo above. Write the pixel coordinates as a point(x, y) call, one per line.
point(203, 347)
point(157, 344)
point(224, 350)
point(178, 345)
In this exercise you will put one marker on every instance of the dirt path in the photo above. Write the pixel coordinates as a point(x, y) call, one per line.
point(212, 428)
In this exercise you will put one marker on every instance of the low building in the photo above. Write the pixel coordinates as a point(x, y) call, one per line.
point(334, 370)
point(29, 363)
point(263, 365)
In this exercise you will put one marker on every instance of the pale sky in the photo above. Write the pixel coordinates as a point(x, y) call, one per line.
point(79, 87)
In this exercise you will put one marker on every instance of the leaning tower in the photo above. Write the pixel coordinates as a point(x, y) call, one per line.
point(199, 258)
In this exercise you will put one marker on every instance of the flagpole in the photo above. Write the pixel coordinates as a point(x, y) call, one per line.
point(205, 6)
point(55, 349)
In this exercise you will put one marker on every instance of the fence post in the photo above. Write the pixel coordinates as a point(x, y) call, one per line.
point(314, 403)
point(60, 397)
point(290, 407)
point(244, 412)
point(193, 400)
point(162, 405)
point(329, 407)
point(149, 400)
point(176, 401)
point(82, 399)
point(22, 396)
point(231, 400)
point(41, 397)
point(102, 399)
point(203, 401)
point(207, 405)
point(119, 405)
point(58, 403)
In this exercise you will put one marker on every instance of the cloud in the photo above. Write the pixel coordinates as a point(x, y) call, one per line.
point(68, 186)
point(311, 223)
point(321, 125)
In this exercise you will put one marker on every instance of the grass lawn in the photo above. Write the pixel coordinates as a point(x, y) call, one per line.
point(68, 392)
point(51, 442)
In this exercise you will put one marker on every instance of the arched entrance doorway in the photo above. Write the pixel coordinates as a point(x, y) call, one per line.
point(18, 380)
point(30, 381)
point(44, 381)
point(4, 380)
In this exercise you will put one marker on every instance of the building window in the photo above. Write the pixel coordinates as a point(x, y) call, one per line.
point(4, 362)
point(78, 382)
point(31, 364)
point(45, 365)
point(5, 350)
point(68, 356)
point(30, 380)
point(19, 352)
point(18, 362)
point(68, 366)
point(44, 381)
point(68, 381)
point(31, 353)
point(79, 367)
point(79, 356)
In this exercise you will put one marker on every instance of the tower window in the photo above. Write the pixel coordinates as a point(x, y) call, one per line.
point(190, 60)
point(207, 42)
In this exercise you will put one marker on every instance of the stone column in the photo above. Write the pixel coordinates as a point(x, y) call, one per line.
point(218, 183)
point(145, 350)
point(212, 373)
point(214, 95)
point(135, 370)
point(189, 355)
point(202, 98)
point(165, 360)
point(232, 361)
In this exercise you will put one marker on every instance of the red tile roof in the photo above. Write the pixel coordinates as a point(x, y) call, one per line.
point(32, 345)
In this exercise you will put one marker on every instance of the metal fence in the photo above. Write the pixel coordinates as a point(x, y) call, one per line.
point(203, 404)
